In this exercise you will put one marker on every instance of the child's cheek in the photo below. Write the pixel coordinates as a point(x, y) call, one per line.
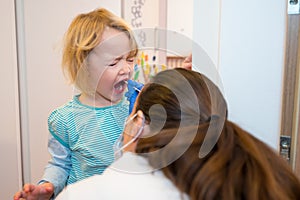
point(131, 72)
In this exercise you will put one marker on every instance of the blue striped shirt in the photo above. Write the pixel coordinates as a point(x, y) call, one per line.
point(88, 133)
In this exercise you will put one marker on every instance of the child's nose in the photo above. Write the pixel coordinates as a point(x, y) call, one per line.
point(126, 67)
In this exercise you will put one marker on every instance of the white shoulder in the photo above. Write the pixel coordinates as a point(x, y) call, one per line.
point(130, 177)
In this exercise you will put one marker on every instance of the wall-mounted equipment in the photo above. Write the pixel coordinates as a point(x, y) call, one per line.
point(293, 7)
point(285, 147)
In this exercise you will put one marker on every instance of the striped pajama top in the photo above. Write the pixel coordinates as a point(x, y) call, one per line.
point(89, 133)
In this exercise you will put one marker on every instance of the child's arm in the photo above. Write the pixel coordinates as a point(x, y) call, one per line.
point(58, 168)
point(55, 175)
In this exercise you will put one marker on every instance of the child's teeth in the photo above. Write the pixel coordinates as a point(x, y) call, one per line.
point(119, 87)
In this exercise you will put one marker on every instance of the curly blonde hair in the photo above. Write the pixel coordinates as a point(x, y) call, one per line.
point(83, 35)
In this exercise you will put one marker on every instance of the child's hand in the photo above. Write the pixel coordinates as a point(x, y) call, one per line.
point(35, 192)
point(132, 93)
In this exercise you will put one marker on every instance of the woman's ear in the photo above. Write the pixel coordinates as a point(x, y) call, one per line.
point(134, 131)
point(146, 127)
point(140, 122)
point(146, 131)
point(140, 114)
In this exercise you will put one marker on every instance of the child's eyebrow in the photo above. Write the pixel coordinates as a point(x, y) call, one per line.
point(112, 58)
point(118, 58)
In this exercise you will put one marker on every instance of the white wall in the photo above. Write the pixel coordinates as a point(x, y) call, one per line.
point(206, 27)
point(180, 16)
point(144, 18)
point(249, 55)
point(180, 27)
point(10, 168)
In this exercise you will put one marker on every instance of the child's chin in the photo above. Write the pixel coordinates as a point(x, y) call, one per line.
point(117, 98)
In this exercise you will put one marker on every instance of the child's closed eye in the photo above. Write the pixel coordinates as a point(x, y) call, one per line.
point(113, 64)
point(130, 60)
point(116, 61)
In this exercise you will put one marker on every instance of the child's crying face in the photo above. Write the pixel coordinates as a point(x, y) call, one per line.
point(110, 66)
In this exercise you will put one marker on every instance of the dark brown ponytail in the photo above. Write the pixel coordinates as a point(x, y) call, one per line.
point(238, 166)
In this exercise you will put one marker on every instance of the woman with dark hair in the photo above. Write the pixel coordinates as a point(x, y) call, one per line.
point(179, 144)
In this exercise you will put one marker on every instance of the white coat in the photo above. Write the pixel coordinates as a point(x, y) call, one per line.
point(130, 177)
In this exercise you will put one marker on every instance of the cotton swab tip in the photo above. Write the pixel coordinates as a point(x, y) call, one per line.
point(133, 87)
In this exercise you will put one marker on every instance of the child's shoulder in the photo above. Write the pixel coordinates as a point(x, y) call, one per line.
point(67, 107)
point(66, 104)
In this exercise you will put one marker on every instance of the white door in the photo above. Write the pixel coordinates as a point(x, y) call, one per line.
point(10, 168)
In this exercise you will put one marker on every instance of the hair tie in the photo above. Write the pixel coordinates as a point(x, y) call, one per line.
point(212, 118)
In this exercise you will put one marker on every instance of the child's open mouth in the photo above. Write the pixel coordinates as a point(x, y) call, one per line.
point(120, 86)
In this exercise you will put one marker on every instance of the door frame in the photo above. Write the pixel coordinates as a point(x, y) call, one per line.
point(290, 117)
